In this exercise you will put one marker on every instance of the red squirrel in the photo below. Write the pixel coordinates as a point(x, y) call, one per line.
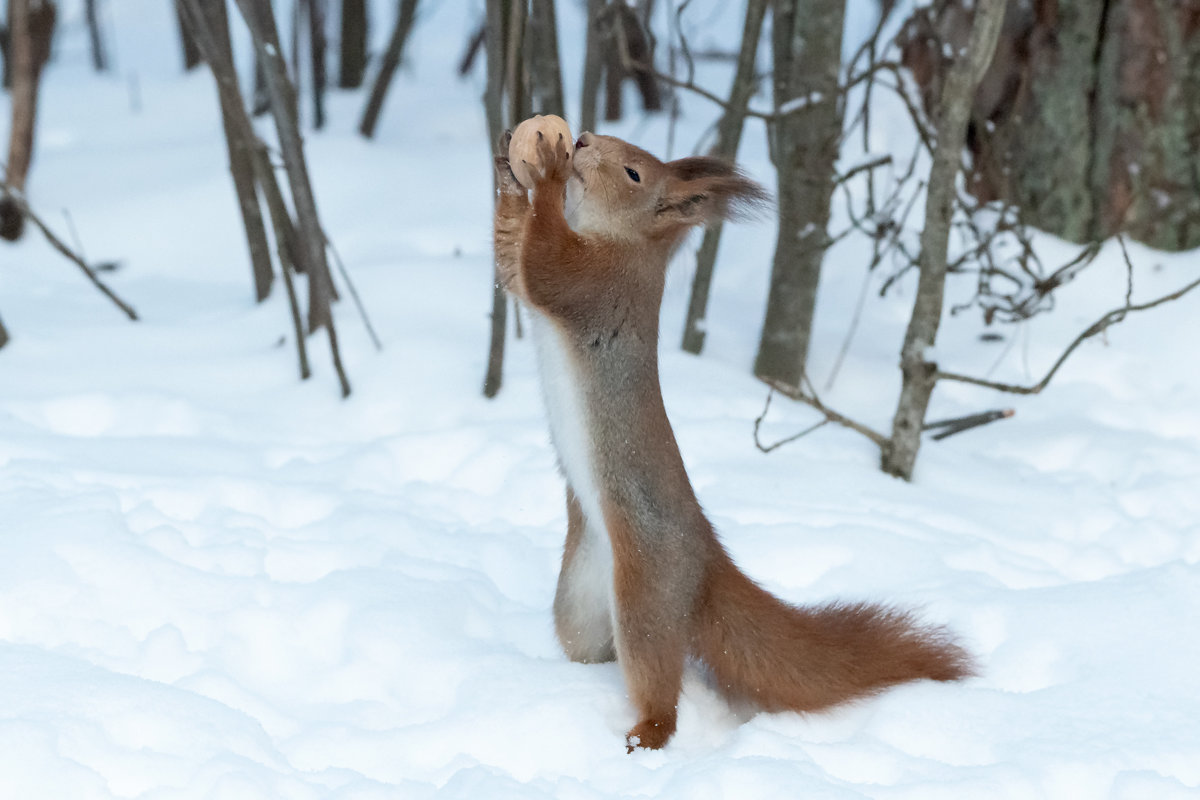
point(644, 579)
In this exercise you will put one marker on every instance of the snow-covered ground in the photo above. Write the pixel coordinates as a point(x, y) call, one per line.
point(219, 582)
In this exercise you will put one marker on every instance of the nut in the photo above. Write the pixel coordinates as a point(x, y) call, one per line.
point(523, 149)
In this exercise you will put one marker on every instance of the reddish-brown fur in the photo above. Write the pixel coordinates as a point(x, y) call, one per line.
point(596, 283)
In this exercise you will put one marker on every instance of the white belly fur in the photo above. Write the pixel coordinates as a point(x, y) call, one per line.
point(592, 572)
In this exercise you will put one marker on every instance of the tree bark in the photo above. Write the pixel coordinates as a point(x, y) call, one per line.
point(352, 53)
point(807, 45)
point(917, 367)
point(729, 136)
point(1087, 120)
point(387, 69)
point(31, 28)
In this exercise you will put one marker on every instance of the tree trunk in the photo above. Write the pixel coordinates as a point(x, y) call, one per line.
point(31, 28)
point(1088, 118)
point(593, 65)
point(729, 135)
point(807, 44)
point(507, 73)
point(917, 368)
point(240, 143)
point(317, 47)
point(387, 70)
point(614, 77)
point(261, 20)
point(545, 72)
point(191, 54)
point(493, 102)
point(352, 53)
point(239, 127)
point(99, 58)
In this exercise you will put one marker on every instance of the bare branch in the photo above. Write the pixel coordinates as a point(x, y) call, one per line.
point(18, 198)
point(1097, 327)
point(811, 399)
point(759, 421)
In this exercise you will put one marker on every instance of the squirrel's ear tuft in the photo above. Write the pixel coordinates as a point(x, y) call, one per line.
point(701, 190)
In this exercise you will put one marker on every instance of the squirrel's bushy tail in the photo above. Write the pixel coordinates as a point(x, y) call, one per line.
point(783, 657)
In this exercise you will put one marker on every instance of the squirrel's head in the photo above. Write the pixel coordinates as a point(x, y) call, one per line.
point(621, 191)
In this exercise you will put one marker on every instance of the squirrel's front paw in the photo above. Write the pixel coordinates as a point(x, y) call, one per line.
point(506, 181)
point(554, 158)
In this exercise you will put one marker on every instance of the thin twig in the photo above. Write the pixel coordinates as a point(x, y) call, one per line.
point(830, 415)
point(358, 303)
point(759, 421)
point(19, 200)
point(1097, 327)
point(875, 163)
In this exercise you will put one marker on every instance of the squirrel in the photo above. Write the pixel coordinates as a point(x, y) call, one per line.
point(644, 579)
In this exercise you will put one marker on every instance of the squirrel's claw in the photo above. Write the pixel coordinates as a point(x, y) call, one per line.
point(554, 158)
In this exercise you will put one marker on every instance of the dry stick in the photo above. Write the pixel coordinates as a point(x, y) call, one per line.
point(542, 60)
point(317, 47)
point(761, 417)
point(593, 65)
point(729, 135)
point(918, 372)
point(387, 68)
point(954, 427)
point(91, 13)
point(473, 47)
point(18, 199)
point(281, 223)
point(352, 52)
point(358, 303)
point(238, 123)
point(31, 28)
point(191, 52)
point(261, 21)
point(512, 77)
point(811, 399)
point(493, 102)
point(210, 35)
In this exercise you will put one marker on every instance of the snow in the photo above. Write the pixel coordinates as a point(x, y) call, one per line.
point(218, 581)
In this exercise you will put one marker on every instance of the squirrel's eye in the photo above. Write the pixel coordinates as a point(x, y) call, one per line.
point(632, 173)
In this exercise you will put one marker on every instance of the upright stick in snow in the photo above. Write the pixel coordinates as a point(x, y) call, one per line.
point(387, 69)
point(917, 367)
point(261, 21)
point(99, 57)
point(352, 52)
point(215, 47)
point(729, 135)
point(31, 26)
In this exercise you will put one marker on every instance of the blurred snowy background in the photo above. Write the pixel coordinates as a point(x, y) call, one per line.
point(218, 581)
